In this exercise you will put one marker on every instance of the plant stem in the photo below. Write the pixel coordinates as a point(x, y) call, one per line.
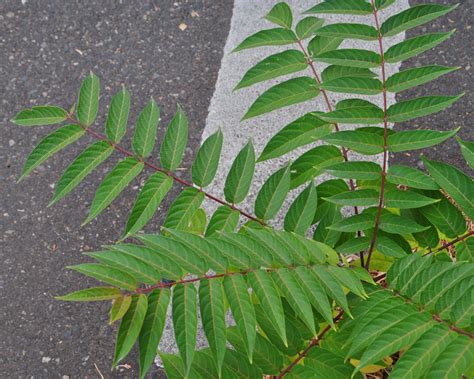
point(451, 243)
point(314, 342)
point(154, 167)
point(336, 126)
point(385, 144)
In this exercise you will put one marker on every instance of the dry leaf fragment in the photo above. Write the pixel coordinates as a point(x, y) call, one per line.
point(182, 26)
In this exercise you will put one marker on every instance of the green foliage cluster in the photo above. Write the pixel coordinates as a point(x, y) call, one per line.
point(313, 299)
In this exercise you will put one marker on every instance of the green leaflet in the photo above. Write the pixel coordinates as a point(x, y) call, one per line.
point(381, 4)
point(333, 288)
point(414, 46)
point(224, 219)
point(320, 44)
point(107, 274)
point(467, 150)
point(130, 327)
point(40, 115)
point(240, 175)
point(335, 72)
point(92, 294)
point(82, 166)
point(212, 305)
point(357, 140)
point(184, 312)
point(362, 197)
point(50, 145)
point(147, 202)
point(457, 184)
point(307, 27)
point(207, 159)
point(281, 15)
point(349, 31)
point(410, 177)
point(355, 170)
point(304, 130)
point(153, 325)
point(312, 163)
point(276, 65)
point(354, 245)
point(268, 37)
point(354, 113)
point(116, 124)
point(355, 223)
point(413, 77)
point(173, 365)
point(417, 139)
point(236, 366)
point(446, 217)
point(242, 309)
point(145, 132)
point(88, 102)
point(407, 199)
point(119, 307)
point(421, 106)
point(412, 17)
point(290, 92)
point(301, 212)
point(327, 364)
point(272, 194)
point(268, 296)
point(356, 7)
point(115, 181)
point(391, 223)
point(363, 86)
point(465, 251)
point(350, 58)
point(389, 247)
point(174, 141)
point(183, 208)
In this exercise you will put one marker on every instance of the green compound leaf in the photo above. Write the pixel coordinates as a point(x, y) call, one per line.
point(414, 46)
point(421, 106)
point(415, 76)
point(224, 219)
point(40, 115)
point(303, 131)
point(356, 85)
point(350, 58)
point(212, 305)
point(119, 308)
point(412, 17)
point(320, 44)
point(207, 160)
point(92, 294)
point(183, 208)
point(349, 31)
point(117, 179)
point(130, 327)
point(240, 175)
point(282, 95)
point(242, 309)
point(356, 140)
point(50, 145)
point(308, 26)
point(82, 166)
point(145, 132)
point(268, 37)
point(147, 202)
point(281, 15)
point(117, 118)
point(410, 177)
point(407, 199)
point(272, 194)
point(184, 312)
point(110, 275)
point(417, 139)
point(467, 150)
point(301, 212)
point(174, 141)
point(88, 102)
point(335, 72)
point(355, 170)
point(153, 325)
point(457, 184)
point(354, 113)
point(276, 65)
point(355, 7)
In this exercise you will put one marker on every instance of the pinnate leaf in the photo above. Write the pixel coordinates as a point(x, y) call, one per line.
point(350, 58)
point(355, 170)
point(224, 219)
point(410, 177)
point(357, 85)
point(357, 140)
point(92, 294)
point(307, 26)
point(334, 72)
point(407, 199)
point(174, 141)
point(40, 115)
point(107, 274)
point(240, 176)
point(355, 7)
point(281, 15)
point(354, 113)
point(207, 160)
point(417, 139)
point(321, 44)
point(88, 102)
point(272, 194)
point(183, 208)
point(349, 30)
point(268, 37)
point(119, 308)
point(301, 212)
point(145, 132)
point(117, 118)
point(467, 150)
point(415, 76)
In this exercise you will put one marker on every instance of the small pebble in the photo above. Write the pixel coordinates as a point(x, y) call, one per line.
point(11, 143)
point(45, 359)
